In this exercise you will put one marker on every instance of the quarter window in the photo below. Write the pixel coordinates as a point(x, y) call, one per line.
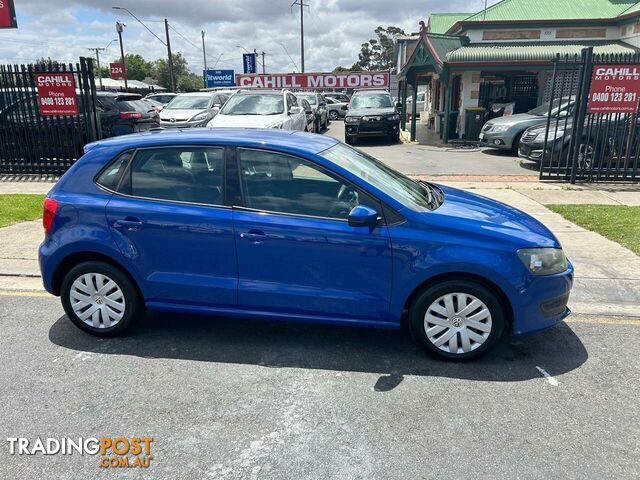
point(184, 174)
point(110, 176)
point(281, 183)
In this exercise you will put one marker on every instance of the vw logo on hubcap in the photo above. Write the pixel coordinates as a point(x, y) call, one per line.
point(456, 322)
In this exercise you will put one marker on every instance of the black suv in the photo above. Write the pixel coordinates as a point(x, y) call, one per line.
point(371, 113)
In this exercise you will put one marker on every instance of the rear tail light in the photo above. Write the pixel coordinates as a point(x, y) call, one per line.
point(128, 115)
point(50, 207)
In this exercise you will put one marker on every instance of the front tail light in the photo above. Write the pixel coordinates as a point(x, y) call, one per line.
point(50, 207)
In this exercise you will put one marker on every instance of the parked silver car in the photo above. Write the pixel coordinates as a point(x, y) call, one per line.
point(195, 109)
point(319, 106)
point(504, 133)
point(336, 109)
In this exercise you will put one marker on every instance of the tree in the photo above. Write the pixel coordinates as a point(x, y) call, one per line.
point(160, 70)
point(377, 53)
point(341, 69)
point(137, 67)
point(189, 83)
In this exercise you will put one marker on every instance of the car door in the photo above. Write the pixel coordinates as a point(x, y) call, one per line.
point(299, 120)
point(297, 254)
point(168, 217)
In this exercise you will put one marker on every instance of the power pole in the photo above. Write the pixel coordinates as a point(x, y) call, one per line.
point(119, 29)
point(204, 53)
point(264, 69)
point(171, 79)
point(98, 50)
point(302, 5)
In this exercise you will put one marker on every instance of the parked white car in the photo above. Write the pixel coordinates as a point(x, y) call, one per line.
point(262, 109)
point(188, 110)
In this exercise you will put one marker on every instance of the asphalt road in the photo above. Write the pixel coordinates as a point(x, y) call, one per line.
point(413, 159)
point(238, 399)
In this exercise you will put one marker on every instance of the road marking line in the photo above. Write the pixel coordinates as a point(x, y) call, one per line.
point(605, 321)
point(23, 293)
point(550, 379)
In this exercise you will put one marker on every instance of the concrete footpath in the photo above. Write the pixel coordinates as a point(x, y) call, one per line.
point(607, 274)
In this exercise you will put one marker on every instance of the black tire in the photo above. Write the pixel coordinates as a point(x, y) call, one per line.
point(419, 309)
point(349, 140)
point(333, 115)
point(516, 144)
point(395, 138)
point(133, 305)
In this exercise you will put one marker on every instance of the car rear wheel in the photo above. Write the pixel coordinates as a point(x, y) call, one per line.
point(100, 299)
point(333, 115)
point(349, 140)
point(456, 320)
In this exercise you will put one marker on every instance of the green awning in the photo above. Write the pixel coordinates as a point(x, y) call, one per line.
point(530, 52)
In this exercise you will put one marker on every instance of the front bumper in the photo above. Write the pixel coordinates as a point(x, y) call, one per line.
point(542, 302)
point(190, 124)
point(372, 129)
point(496, 140)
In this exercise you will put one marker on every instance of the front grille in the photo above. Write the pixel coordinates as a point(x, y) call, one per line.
point(529, 136)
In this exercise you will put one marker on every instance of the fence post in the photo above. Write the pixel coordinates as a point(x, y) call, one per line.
point(553, 96)
point(580, 113)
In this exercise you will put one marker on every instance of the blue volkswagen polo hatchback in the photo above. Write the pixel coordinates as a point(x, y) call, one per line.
point(287, 225)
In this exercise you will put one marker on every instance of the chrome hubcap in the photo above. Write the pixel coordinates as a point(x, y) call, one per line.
point(97, 300)
point(457, 323)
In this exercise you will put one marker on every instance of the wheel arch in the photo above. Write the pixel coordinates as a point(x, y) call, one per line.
point(77, 258)
point(499, 292)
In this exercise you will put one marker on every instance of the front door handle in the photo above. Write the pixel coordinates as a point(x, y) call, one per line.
point(129, 223)
point(254, 236)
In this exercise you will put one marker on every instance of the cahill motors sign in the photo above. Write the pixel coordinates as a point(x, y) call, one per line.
point(316, 80)
point(614, 89)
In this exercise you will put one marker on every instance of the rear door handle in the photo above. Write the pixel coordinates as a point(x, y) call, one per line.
point(128, 223)
point(254, 236)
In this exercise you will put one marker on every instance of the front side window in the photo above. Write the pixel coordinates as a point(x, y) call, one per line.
point(184, 174)
point(281, 183)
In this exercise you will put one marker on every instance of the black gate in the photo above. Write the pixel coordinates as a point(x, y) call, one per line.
point(31, 143)
point(577, 145)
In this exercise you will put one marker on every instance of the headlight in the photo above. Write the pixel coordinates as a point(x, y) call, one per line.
point(543, 261)
point(351, 120)
point(200, 116)
point(552, 135)
point(499, 128)
point(393, 118)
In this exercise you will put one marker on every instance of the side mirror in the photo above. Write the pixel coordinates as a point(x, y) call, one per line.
point(323, 104)
point(295, 110)
point(363, 216)
point(344, 107)
point(308, 112)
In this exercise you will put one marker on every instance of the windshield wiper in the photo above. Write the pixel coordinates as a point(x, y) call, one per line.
point(434, 195)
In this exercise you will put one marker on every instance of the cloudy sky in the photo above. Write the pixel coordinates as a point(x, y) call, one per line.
point(334, 29)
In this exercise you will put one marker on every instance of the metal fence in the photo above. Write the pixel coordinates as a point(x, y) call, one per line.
point(31, 143)
point(580, 146)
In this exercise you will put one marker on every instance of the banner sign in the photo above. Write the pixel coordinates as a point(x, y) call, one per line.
point(219, 78)
point(116, 70)
point(56, 93)
point(249, 62)
point(316, 80)
point(614, 89)
point(7, 14)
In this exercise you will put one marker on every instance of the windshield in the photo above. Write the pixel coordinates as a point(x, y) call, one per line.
point(371, 101)
point(189, 102)
point(254, 105)
point(559, 104)
point(393, 183)
point(309, 98)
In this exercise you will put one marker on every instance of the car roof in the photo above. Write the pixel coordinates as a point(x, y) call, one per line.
point(242, 137)
point(371, 92)
point(196, 94)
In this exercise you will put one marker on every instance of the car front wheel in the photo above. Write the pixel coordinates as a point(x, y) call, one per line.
point(456, 320)
point(100, 299)
point(333, 115)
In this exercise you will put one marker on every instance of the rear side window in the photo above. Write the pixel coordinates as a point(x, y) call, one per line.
point(183, 174)
point(110, 176)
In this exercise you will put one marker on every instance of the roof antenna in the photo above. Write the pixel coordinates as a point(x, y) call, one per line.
point(484, 16)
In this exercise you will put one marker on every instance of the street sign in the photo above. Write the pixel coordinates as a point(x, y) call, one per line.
point(219, 78)
point(117, 70)
point(56, 93)
point(316, 80)
point(249, 62)
point(7, 14)
point(614, 89)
